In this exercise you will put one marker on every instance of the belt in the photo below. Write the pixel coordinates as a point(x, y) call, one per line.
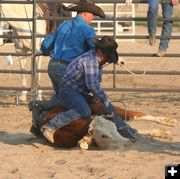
point(60, 61)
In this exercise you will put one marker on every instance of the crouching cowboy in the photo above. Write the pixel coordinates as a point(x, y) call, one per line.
point(82, 78)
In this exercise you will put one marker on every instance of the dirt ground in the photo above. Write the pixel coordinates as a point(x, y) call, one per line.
point(23, 156)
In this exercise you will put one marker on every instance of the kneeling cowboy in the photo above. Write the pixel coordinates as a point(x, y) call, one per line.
point(71, 39)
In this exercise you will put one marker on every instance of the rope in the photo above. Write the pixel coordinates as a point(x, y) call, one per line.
point(122, 64)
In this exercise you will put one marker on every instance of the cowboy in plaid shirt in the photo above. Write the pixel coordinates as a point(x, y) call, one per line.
point(82, 78)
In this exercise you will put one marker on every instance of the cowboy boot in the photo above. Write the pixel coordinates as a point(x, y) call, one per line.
point(35, 128)
point(41, 105)
point(161, 52)
point(152, 39)
point(36, 131)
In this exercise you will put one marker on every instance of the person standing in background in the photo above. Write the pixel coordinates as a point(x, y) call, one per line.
point(152, 14)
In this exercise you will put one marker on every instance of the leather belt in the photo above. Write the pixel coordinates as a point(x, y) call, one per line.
point(60, 61)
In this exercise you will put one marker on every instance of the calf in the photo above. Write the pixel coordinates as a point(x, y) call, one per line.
point(104, 133)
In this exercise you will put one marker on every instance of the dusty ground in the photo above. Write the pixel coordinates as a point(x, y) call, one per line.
point(23, 156)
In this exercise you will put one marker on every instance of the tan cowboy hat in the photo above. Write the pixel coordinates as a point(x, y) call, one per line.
point(109, 47)
point(87, 6)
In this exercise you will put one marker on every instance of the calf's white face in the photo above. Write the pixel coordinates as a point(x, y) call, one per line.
point(105, 134)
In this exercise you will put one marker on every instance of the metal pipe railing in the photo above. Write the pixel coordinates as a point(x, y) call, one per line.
point(114, 72)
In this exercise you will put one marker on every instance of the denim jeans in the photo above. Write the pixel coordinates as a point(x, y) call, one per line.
point(167, 12)
point(76, 102)
point(56, 72)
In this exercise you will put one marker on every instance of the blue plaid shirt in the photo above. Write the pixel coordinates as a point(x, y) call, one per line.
point(84, 75)
point(71, 39)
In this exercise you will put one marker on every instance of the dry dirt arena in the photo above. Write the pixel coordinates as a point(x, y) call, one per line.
point(23, 156)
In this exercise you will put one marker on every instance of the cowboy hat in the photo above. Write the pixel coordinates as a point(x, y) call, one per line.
point(109, 46)
point(87, 6)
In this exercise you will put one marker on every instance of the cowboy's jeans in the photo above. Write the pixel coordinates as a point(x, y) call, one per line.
point(167, 11)
point(76, 102)
point(56, 72)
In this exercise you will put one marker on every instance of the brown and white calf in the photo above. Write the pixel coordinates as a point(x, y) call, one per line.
point(102, 131)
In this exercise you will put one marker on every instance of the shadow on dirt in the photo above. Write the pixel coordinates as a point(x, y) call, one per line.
point(144, 144)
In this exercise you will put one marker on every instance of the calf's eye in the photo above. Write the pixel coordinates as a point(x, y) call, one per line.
point(104, 136)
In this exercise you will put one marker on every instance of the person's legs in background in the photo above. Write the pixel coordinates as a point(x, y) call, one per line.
point(152, 20)
point(167, 12)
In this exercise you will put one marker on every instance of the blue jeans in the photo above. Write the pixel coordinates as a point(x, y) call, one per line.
point(76, 102)
point(167, 12)
point(56, 72)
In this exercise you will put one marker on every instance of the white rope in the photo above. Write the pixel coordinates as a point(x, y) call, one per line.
point(122, 64)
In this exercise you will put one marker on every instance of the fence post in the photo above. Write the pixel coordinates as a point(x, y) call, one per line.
point(114, 34)
point(1, 33)
point(33, 61)
point(1, 30)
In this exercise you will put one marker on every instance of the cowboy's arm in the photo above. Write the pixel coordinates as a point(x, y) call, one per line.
point(89, 35)
point(92, 80)
point(47, 44)
point(93, 84)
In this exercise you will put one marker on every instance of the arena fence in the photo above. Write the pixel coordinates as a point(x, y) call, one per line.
point(33, 72)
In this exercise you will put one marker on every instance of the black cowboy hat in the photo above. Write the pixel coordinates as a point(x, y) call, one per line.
point(87, 6)
point(109, 47)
